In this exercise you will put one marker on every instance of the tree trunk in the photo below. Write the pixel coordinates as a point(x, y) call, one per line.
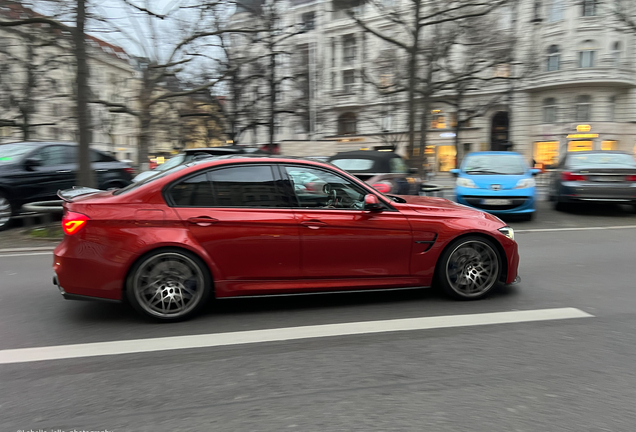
point(85, 176)
point(412, 81)
point(272, 99)
point(421, 157)
point(144, 139)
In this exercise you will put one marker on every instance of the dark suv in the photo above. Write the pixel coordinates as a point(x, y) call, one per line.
point(35, 171)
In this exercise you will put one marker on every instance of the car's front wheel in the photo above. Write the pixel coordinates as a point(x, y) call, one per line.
point(469, 268)
point(169, 285)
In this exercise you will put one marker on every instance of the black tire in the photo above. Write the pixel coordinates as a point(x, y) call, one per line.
point(6, 211)
point(449, 275)
point(164, 273)
point(558, 205)
point(528, 217)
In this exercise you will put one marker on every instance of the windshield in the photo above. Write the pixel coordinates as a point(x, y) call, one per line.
point(601, 160)
point(13, 152)
point(353, 164)
point(149, 179)
point(494, 164)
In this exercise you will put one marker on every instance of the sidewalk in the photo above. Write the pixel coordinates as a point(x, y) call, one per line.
point(15, 238)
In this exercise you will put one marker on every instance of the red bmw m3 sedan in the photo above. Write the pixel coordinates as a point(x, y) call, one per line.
point(247, 226)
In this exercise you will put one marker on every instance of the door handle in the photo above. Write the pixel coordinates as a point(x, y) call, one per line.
point(101, 170)
point(203, 221)
point(313, 224)
point(63, 171)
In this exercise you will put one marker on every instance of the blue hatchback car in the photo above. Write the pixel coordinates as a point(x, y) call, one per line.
point(497, 182)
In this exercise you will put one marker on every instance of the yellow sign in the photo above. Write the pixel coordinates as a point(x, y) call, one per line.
point(579, 136)
point(583, 128)
point(161, 160)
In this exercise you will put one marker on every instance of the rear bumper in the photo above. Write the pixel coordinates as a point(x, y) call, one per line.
point(68, 296)
point(580, 191)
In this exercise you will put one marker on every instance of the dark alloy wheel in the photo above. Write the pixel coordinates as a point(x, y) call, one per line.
point(169, 285)
point(469, 268)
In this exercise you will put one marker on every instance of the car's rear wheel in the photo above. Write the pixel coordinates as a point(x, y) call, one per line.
point(169, 285)
point(6, 211)
point(469, 268)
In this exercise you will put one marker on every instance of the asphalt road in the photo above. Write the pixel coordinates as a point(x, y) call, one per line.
point(557, 375)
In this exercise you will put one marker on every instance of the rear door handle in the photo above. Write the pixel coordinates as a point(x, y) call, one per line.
point(101, 170)
point(313, 224)
point(63, 171)
point(203, 221)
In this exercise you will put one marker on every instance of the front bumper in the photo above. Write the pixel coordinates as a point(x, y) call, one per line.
point(520, 201)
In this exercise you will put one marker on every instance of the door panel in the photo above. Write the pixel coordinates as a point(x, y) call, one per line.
point(243, 219)
point(339, 238)
point(56, 171)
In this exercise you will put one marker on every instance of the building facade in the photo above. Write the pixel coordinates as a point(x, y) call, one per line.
point(569, 84)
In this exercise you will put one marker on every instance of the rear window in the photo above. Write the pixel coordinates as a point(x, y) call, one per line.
point(140, 183)
point(354, 164)
point(601, 160)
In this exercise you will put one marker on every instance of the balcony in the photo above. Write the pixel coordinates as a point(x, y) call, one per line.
point(575, 77)
point(350, 95)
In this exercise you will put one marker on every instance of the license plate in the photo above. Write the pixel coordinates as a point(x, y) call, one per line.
point(497, 201)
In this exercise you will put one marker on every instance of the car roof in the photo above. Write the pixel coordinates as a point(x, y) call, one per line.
point(493, 153)
point(600, 152)
point(366, 154)
point(212, 150)
point(41, 143)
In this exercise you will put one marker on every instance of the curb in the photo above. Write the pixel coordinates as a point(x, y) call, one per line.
point(28, 249)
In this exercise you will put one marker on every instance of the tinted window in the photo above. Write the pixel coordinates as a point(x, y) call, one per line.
point(10, 153)
point(601, 160)
point(54, 155)
point(398, 166)
point(100, 157)
point(494, 164)
point(316, 188)
point(147, 180)
point(354, 164)
point(193, 192)
point(247, 186)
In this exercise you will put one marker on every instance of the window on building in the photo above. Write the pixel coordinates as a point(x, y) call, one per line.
point(347, 124)
point(348, 81)
point(308, 21)
point(616, 53)
point(554, 58)
point(438, 119)
point(349, 49)
point(502, 70)
point(589, 7)
point(583, 108)
point(549, 110)
point(611, 109)
point(587, 54)
point(333, 52)
point(555, 12)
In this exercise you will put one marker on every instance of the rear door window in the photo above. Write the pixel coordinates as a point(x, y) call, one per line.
point(193, 192)
point(54, 155)
point(248, 186)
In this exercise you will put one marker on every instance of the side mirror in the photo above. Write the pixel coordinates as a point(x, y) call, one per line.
point(372, 203)
point(535, 171)
point(32, 162)
point(455, 172)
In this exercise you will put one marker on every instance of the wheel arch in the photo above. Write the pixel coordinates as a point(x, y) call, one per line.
point(145, 254)
point(491, 238)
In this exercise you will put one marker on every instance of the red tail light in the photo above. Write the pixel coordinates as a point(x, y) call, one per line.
point(631, 178)
point(568, 176)
point(73, 222)
point(130, 170)
point(382, 187)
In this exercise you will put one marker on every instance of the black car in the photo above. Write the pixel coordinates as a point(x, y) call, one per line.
point(385, 171)
point(35, 171)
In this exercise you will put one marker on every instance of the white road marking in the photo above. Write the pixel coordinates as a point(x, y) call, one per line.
point(24, 355)
point(575, 229)
point(26, 254)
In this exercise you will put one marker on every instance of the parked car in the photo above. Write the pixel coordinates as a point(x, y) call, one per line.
point(594, 176)
point(386, 171)
point(187, 155)
point(35, 171)
point(497, 182)
point(235, 226)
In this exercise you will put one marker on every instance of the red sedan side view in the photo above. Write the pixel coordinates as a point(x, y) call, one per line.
point(242, 226)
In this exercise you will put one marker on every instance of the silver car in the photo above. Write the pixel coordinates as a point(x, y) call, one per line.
point(594, 176)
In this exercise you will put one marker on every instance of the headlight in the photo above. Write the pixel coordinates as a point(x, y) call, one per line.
point(526, 183)
point(464, 182)
point(508, 232)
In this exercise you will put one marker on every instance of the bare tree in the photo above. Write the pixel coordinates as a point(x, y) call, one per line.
point(410, 21)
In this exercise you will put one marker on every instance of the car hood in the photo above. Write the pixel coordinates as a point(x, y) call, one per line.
point(443, 207)
point(505, 181)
